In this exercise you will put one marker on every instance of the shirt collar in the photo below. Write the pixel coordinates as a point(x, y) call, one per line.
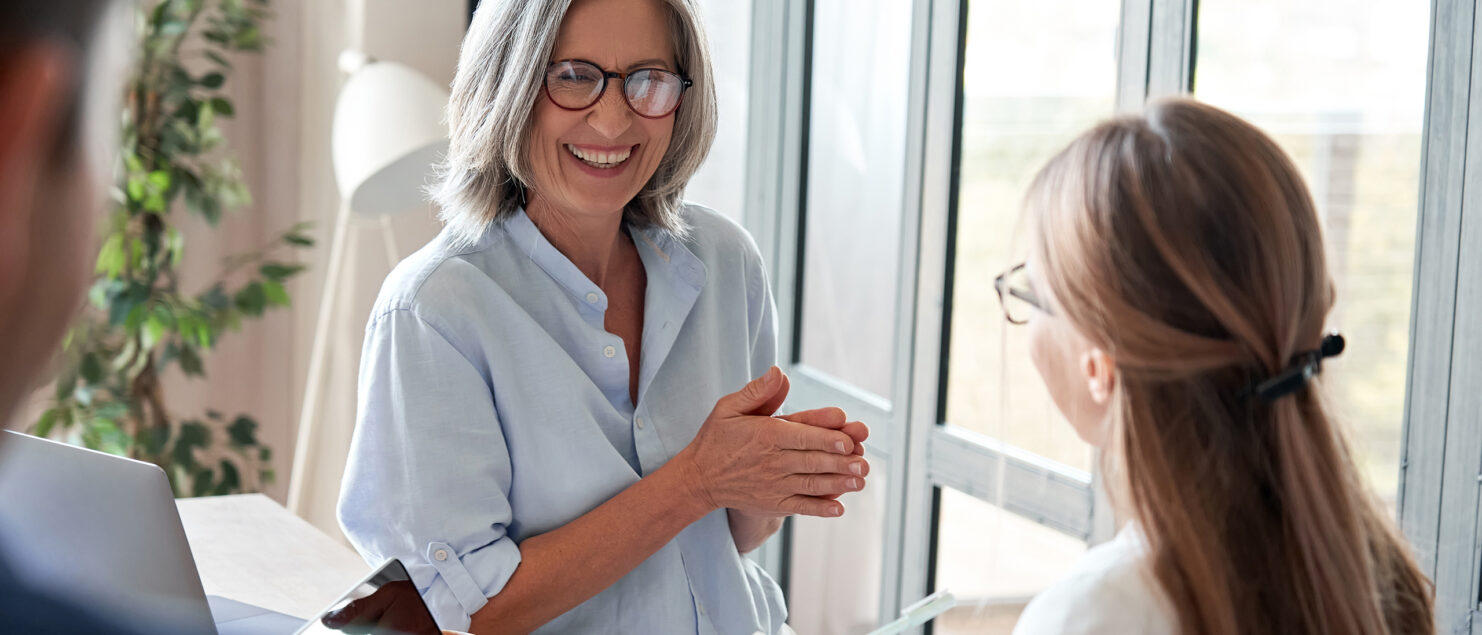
point(663, 257)
point(528, 239)
point(675, 279)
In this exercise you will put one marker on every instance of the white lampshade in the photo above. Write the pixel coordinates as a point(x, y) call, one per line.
point(388, 131)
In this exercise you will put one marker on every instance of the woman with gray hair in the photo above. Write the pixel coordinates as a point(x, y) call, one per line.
point(545, 436)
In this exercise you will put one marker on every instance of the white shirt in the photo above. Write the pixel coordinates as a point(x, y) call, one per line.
point(495, 406)
point(1110, 590)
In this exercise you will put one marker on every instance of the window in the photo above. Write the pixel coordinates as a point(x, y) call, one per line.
point(904, 136)
point(853, 208)
point(998, 561)
point(838, 564)
point(1034, 75)
point(721, 182)
point(855, 188)
point(1341, 86)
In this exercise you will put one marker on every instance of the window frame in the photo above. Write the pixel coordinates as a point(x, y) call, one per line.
point(1439, 491)
point(1441, 463)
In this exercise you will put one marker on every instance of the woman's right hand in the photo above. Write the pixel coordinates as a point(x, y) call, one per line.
point(772, 466)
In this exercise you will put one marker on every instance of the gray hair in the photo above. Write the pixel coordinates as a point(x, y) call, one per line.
point(501, 72)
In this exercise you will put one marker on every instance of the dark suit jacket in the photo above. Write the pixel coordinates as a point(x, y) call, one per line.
point(25, 610)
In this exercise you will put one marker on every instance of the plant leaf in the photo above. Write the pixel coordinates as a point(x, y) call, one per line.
point(175, 244)
point(192, 435)
point(160, 180)
point(223, 107)
point(201, 483)
point(252, 299)
point(157, 17)
point(66, 384)
point(276, 294)
point(154, 439)
point(249, 39)
point(279, 272)
point(111, 410)
point(190, 362)
point(124, 302)
point(92, 369)
point(243, 431)
point(111, 438)
point(111, 258)
point(173, 28)
point(215, 299)
point(45, 424)
point(231, 480)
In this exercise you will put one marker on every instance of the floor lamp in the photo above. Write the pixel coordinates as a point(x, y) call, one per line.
point(388, 132)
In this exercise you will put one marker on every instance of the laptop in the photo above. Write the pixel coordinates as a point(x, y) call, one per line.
point(103, 531)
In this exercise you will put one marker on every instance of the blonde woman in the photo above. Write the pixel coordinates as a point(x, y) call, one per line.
point(1175, 295)
point(545, 436)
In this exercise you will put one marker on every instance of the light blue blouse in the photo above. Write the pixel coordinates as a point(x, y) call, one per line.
point(493, 406)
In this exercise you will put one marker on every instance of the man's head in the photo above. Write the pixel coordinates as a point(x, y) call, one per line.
point(61, 69)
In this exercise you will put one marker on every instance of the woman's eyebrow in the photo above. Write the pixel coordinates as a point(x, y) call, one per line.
point(649, 63)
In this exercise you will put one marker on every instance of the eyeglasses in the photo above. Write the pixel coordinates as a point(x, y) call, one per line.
point(1016, 294)
point(653, 93)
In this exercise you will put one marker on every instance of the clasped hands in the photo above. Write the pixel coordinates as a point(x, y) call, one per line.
point(745, 459)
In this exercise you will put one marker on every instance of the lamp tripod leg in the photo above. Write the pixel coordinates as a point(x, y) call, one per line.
point(389, 236)
point(315, 383)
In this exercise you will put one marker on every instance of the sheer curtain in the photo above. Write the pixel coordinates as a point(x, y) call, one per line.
point(425, 36)
point(285, 104)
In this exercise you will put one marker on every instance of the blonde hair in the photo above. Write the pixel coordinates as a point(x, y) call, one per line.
point(501, 71)
point(1185, 243)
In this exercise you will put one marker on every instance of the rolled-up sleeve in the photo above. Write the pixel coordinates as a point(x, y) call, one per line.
point(428, 476)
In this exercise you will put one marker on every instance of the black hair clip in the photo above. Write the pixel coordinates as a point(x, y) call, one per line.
point(1303, 367)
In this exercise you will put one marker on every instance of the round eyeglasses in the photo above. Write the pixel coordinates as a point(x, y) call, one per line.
point(651, 92)
point(1017, 295)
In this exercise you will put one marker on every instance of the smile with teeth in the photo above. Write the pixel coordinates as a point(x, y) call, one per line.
point(604, 160)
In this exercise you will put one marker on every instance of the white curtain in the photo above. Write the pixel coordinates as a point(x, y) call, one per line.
point(425, 36)
point(285, 103)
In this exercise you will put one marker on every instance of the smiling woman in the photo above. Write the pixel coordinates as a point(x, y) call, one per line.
point(545, 436)
point(591, 158)
point(494, 159)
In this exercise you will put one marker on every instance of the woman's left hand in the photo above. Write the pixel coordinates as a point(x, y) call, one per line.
point(833, 419)
point(750, 530)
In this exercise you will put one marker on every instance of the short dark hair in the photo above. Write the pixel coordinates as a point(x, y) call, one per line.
point(73, 23)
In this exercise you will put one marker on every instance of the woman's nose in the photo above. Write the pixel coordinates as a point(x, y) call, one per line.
point(611, 116)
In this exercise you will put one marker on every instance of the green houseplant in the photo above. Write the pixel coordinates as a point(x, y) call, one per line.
point(109, 395)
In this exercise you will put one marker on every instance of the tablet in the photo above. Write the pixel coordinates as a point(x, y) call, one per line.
point(384, 603)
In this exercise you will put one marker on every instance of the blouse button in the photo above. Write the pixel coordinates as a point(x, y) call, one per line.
point(609, 351)
point(640, 423)
point(440, 555)
point(592, 298)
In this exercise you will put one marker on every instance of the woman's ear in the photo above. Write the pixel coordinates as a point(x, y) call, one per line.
point(1100, 370)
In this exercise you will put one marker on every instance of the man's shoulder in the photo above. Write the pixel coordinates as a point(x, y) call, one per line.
point(27, 610)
